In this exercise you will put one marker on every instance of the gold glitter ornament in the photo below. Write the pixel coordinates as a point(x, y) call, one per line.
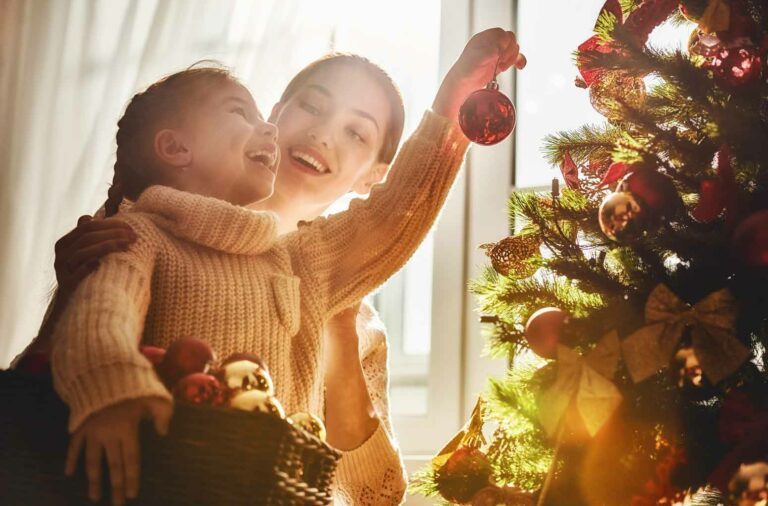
point(613, 91)
point(509, 255)
point(309, 423)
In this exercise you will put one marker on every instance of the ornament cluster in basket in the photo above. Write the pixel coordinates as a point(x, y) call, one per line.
point(189, 369)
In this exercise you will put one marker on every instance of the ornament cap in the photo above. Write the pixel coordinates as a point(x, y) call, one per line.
point(493, 84)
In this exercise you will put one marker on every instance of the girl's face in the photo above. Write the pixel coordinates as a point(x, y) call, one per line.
point(331, 132)
point(233, 152)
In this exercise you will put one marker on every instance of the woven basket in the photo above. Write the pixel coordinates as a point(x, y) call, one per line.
point(211, 456)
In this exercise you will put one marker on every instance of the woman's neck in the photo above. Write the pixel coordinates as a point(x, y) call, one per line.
point(290, 211)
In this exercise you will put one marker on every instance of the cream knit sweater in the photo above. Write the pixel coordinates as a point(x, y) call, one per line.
point(372, 474)
point(205, 268)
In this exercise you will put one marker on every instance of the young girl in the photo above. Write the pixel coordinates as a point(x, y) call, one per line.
point(401, 213)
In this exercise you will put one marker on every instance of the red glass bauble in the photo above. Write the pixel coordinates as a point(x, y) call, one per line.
point(544, 329)
point(154, 354)
point(487, 116)
point(185, 356)
point(655, 191)
point(750, 240)
point(736, 66)
point(711, 201)
point(465, 472)
point(200, 388)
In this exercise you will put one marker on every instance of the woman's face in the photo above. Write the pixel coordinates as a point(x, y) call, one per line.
point(331, 132)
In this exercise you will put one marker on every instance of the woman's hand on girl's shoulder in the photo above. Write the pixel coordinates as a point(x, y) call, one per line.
point(113, 433)
point(78, 252)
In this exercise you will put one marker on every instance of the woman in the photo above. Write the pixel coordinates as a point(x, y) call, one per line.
point(340, 122)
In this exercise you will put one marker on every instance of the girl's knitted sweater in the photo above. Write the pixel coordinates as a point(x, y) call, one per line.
point(205, 268)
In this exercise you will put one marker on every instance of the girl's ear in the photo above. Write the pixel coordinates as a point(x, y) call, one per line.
point(375, 174)
point(275, 112)
point(171, 148)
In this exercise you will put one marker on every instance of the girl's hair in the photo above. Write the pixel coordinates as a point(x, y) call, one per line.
point(162, 103)
point(397, 110)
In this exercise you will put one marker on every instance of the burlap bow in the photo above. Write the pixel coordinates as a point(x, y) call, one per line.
point(713, 334)
point(585, 381)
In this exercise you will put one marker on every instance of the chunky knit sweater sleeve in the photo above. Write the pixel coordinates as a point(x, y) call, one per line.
point(95, 358)
point(349, 254)
point(373, 474)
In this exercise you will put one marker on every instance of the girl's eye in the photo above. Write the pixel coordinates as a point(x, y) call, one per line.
point(311, 109)
point(356, 136)
point(240, 111)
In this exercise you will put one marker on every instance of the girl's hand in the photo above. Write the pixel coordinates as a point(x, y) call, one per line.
point(78, 252)
point(114, 430)
point(475, 67)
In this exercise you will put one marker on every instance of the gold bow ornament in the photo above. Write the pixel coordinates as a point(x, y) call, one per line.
point(712, 322)
point(585, 381)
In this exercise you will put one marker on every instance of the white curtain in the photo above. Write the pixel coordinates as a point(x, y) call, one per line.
point(67, 69)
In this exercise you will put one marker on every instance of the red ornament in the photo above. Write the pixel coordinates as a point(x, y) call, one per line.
point(487, 116)
point(654, 190)
point(185, 356)
point(750, 240)
point(570, 171)
point(463, 475)
point(616, 171)
point(733, 67)
point(544, 329)
point(200, 388)
point(710, 203)
point(154, 354)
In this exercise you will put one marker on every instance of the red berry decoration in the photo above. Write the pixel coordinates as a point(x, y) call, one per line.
point(487, 116)
point(544, 329)
point(200, 388)
point(154, 354)
point(734, 67)
point(185, 356)
point(463, 475)
point(750, 240)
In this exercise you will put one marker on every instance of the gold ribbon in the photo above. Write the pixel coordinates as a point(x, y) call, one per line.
point(585, 381)
point(716, 17)
point(469, 435)
point(713, 334)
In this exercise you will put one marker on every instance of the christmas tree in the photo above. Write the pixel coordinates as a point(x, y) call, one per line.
point(632, 303)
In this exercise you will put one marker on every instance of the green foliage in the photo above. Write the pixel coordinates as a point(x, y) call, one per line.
point(603, 285)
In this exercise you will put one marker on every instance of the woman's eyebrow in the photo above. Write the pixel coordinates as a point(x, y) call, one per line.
point(358, 112)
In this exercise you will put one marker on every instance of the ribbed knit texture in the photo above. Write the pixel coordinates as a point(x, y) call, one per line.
point(202, 267)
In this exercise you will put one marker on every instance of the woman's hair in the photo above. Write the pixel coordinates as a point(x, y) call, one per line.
point(397, 111)
point(148, 111)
